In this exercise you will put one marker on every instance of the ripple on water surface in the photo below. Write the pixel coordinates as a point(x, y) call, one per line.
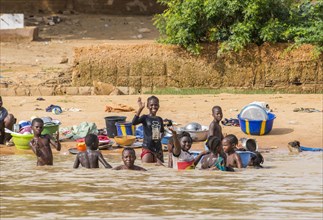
point(290, 186)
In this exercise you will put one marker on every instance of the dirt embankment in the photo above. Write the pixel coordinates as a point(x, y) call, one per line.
point(149, 66)
point(122, 51)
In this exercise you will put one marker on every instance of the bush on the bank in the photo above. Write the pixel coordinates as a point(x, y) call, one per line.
point(236, 23)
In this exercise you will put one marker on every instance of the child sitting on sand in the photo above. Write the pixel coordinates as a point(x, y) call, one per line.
point(41, 144)
point(181, 158)
point(153, 128)
point(128, 158)
point(233, 159)
point(6, 121)
point(91, 157)
point(216, 160)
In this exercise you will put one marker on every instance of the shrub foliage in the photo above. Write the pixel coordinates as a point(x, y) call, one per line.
point(236, 23)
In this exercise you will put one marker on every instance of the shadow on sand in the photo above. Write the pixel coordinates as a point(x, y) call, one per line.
point(281, 131)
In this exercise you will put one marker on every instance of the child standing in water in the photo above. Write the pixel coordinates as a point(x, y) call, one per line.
point(229, 143)
point(41, 144)
point(215, 127)
point(153, 130)
point(180, 157)
point(91, 157)
point(128, 158)
point(216, 160)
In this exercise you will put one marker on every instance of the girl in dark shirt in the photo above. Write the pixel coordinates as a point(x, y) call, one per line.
point(153, 130)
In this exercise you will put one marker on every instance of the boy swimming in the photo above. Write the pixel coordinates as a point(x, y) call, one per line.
point(128, 158)
point(41, 144)
point(91, 157)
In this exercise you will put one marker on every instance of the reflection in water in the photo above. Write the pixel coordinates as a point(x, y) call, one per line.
point(290, 186)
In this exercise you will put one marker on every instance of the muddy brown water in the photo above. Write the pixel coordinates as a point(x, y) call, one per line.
point(289, 187)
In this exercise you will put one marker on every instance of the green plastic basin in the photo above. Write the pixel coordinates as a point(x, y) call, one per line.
point(50, 129)
point(22, 141)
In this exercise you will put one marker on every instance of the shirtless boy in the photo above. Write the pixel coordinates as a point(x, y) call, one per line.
point(215, 127)
point(91, 157)
point(41, 144)
point(233, 159)
point(128, 158)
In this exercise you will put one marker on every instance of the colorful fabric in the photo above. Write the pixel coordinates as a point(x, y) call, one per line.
point(51, 107)
point(185, 161)
point(219, 163)
point(79, 131)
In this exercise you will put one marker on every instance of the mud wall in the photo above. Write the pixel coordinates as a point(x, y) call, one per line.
point(111, 7)
point(140, 68)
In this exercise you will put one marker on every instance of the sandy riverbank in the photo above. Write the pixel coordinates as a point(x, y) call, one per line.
point(288, 125)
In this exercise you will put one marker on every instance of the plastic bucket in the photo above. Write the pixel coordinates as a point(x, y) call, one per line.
point(125, 128)
point(110, 123)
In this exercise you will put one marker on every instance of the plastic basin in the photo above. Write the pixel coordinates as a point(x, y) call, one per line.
point(21, 141)
point(245, 157)
point(125, 140)
point(257, 127)
point(50, 129)
point(165, 139)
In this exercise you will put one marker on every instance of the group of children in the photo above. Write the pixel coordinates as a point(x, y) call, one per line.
point(220, 153)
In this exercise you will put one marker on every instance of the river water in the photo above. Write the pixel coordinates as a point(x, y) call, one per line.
point(289, 187)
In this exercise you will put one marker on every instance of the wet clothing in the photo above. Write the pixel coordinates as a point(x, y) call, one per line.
point(219, 163)
point(153, 127)
point(183, 161)
point(159, 155)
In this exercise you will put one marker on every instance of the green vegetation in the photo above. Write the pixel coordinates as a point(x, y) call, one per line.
point(201, 91)
point(237, 23)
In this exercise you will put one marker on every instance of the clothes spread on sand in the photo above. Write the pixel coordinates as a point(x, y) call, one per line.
point(3, 113)
point(184, 161)
point(231, 122)
point(119, 108)
point(79, 131)
point(153, 129)
point(51, 107)
point(102, 139)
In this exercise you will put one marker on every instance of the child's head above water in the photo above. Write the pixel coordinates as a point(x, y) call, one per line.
point(91, 141)
point(217, 113)
point(128, 157)
point(229, 142)
point(214, 145)
point(37, 125)
point(153, 104)
point(185, 141)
